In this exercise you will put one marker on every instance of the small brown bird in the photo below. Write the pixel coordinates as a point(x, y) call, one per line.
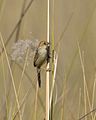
point(41, 56)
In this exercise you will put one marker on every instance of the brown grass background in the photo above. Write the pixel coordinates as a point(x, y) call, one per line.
point(81, 28)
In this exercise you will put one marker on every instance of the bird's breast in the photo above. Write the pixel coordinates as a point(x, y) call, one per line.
point(42, 56)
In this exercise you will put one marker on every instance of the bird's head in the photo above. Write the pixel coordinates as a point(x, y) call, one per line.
point(42, 43)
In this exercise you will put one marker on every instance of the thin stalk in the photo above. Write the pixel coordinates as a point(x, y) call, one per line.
point(53, 83)
point(36, 102)
point(5, 111)
point(53, 77)
point(84, 116)
point(47, 72)
point(53, 80)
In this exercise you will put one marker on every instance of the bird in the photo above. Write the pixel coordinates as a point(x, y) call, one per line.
point(41, 56)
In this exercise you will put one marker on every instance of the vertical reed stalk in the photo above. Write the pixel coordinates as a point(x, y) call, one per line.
point(53, 74)
point(36, 102)
point(47, 72)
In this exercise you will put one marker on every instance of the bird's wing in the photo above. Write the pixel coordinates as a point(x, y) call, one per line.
point(36, 57)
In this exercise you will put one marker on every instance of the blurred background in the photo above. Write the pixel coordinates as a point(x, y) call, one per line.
point(74, 30)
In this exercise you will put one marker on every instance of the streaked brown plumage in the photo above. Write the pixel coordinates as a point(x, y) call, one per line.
point(40, 58)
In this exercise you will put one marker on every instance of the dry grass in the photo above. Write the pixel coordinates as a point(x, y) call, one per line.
point(70, 99)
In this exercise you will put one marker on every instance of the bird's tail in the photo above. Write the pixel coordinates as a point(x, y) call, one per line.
point(39, 77)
